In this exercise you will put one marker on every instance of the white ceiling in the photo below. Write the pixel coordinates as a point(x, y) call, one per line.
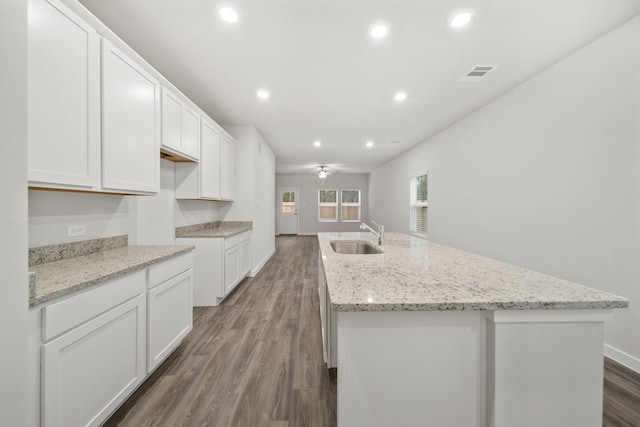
point(330, 81)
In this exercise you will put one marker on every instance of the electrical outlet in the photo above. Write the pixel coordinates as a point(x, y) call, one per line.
point(76, 230)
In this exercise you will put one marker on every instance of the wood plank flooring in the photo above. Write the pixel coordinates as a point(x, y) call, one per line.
point(256, 360)
point(621, 396)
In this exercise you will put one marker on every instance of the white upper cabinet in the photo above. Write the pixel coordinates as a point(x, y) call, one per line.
point(180, 127)
point(204, 180)
point(190, 132)
point(99, 119)
point(63, 86)
point(210, 162)
point(130, 125)
point(171, 121)
point(227, 168)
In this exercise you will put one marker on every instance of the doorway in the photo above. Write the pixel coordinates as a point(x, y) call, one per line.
point(288, 210)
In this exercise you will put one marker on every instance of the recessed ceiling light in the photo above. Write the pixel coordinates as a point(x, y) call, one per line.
point(262, 94)
point(400, 96)
point(370, 144)
point(228, 14)
point(461, 19)
point(379, 30)
point(317, 143)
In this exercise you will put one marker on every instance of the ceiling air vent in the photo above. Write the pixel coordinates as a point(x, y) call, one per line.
point(477, 73)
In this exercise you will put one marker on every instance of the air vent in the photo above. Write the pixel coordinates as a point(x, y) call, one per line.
point(260, 147)
point(477, 73)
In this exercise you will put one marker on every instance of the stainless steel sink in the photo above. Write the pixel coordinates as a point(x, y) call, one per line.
point(360, 247)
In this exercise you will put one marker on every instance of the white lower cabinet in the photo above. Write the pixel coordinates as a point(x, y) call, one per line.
point(245, 256)
point(220, 264)
point(237, 259)
point(328, 320)
point(97, 346)
point(170, 308)
point(231, 268)
point(92, 368)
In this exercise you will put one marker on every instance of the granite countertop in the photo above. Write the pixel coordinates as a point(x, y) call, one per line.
point(55, 279)
point(214, 229)
point(414, 274)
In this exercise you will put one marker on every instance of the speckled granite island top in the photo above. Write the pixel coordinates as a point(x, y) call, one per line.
point(415, 274)
point(59, 278)
point(214, 229)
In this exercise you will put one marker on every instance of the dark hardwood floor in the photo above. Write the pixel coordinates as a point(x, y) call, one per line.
point(621, 396)
point(256, 360)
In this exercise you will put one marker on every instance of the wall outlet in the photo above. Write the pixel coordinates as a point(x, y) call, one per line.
point(76, 230)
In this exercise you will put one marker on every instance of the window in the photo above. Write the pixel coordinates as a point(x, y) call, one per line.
point(350, 205)
point(328, 205)
point(288, 201)
point(418, 204)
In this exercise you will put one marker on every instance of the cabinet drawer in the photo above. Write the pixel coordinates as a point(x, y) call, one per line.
point(164, 271)
point(62, 316)
point(232, 241)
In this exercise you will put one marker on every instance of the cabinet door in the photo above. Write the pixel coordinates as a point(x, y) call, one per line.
point(171, 121)
point(180, 127)
point(231, 268)
point(227, 168)
point(209, 162)
point(89, 371)
point(190, 132)
point(245, 258)
point(63, 106)
point(170, 314)
point(130, 125)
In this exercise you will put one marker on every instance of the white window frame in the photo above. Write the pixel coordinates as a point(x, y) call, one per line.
point(327, 204)
point(414, 204)
point(349, 204)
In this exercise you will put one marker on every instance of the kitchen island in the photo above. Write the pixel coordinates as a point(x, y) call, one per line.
point(428, 335)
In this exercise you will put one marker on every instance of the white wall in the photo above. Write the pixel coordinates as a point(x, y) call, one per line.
point(148, 220)
point(13, 221)
point(546, 177)
point(309, 184)
point(50, 212)
point(254, 197)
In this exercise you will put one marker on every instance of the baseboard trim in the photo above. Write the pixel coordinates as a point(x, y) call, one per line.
point(307, 234)
point(256, 270)
point(622, 358)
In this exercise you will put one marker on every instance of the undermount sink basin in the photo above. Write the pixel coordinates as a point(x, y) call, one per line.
point(359, 247)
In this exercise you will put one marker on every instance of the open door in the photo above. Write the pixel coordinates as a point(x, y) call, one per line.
point(288, 208)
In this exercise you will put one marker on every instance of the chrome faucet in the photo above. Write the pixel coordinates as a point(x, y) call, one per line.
point(379, 234)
